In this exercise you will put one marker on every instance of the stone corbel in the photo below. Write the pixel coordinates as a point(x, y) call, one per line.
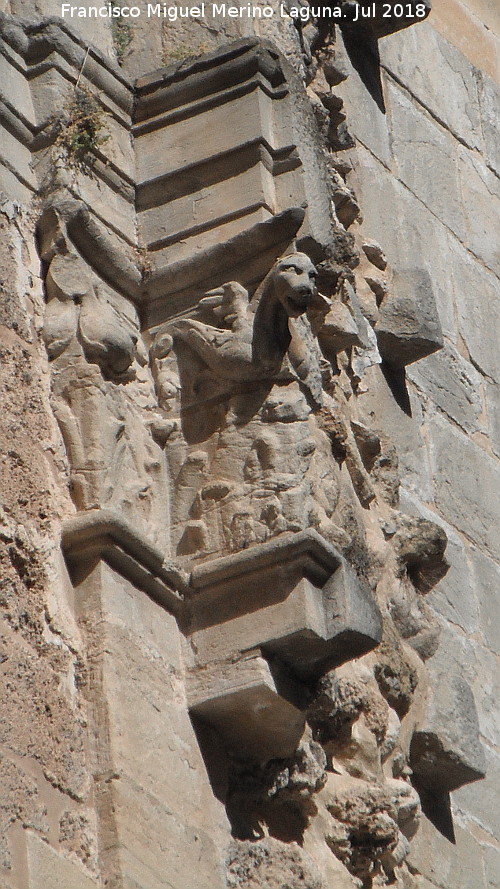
point(294, 596)
point(446, 751)
point(288, 609)
point(408, 326)
point(253, 705)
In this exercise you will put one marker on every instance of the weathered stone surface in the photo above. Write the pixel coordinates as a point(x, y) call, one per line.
point(456, 596)
point(441, 758)
point(408, 327)
point(215, 180)
point(14, 84)
point(104, 534)
point(477, 309)
point(259, 414)
point(268, 863)
point(453, 385)
point(491, 866)
point(443, 867)
point(16, 156)
point(476, 800)
point(489, 100)
point(153, 858)
point(487, 578)
point(286, 601)
point(51, 870)
point(21, 804)
point(439, 76)
point(366, 120)
point(413, 459)
point(481, 200)
point(426, 159)
point(493, 412)
point(466, 480)
point(138, 734)
point(472, 29)
point(248, 706)
point(445, 751)
point(486, 691)
point(426, 243)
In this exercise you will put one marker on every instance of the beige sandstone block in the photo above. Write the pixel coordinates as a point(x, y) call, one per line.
point(248, 706)
point(15, 87)
point(158, 848)
point(466, 484)
point(49, 870)
point(481, 201)
point(204, 135)
point(473, 26)
point(207, 206)
point(425, 158)
point(17, 157)
point(438, 76)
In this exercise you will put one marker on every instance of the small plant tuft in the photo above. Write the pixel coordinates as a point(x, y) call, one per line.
point(82, 130)
point(184, 51)
point(121, 33)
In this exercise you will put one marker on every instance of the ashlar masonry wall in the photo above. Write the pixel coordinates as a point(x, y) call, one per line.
point(427, 171)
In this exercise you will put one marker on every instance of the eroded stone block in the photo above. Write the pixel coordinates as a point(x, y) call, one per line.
point(293, 596)
point(426, 61)
point(426, 159)
point(454, 385)
point(445, 751)
point(466, 481)
point(408, 327)
point(251, 708)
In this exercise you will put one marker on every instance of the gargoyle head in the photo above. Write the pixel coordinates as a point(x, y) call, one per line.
point(294, 279)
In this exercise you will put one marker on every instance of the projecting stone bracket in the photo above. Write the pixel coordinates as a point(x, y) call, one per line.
point(294, 596)
point(445, 751)
point(292, 604)
point(296, 603)
point(408, 327)
point(254, 705)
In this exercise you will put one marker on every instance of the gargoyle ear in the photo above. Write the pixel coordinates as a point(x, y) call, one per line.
point(320, 303)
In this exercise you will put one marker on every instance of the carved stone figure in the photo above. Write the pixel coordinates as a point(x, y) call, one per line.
point(248, 386)
point(101, 388)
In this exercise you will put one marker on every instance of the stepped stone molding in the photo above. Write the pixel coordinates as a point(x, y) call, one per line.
point(103, 534)
point(239, 171)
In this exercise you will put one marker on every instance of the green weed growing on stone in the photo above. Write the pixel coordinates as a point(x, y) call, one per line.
point(183, 51)
point(121, 32)
point(82, 129)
